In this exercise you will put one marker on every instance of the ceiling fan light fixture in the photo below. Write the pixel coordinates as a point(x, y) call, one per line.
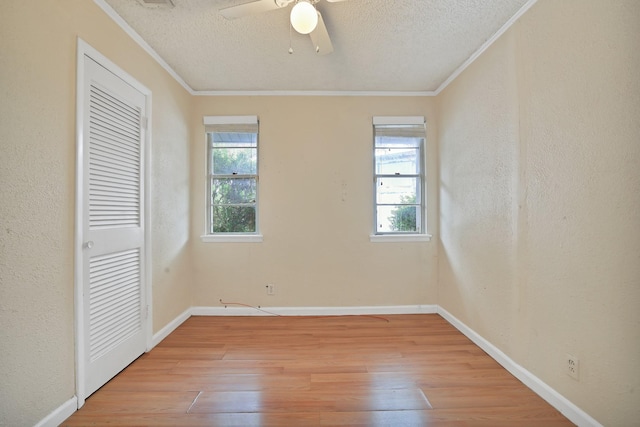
point(304, 17)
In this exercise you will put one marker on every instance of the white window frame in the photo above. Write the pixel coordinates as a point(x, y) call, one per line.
point(214, 123)
point(421, 234)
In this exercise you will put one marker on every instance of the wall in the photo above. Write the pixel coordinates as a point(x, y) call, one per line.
point(540, 197)
point(37, 170)
point(316, 201)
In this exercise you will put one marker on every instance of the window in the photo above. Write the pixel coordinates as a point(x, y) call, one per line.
point(232, 175)
point(399, 175)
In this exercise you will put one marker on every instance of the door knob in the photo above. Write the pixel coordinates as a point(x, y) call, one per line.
point(89, 244)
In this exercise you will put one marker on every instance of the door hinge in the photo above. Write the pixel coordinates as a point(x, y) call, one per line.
point(144, 122)
point(146, 312)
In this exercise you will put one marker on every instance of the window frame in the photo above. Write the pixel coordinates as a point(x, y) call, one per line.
point(401, 236)
point(230, 124)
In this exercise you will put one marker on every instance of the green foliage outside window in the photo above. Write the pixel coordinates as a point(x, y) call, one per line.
point(403, 218)
point(234, 219)
point(233, 190)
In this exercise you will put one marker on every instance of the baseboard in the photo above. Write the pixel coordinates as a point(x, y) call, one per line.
point(61, 413)
point(555, 399)
point(313, 311)
point(170, 327)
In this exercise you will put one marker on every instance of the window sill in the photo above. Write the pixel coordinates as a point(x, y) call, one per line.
point(384, 238)
point(232, 238)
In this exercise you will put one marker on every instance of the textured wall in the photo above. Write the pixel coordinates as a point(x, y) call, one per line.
point(540, 197)
point(478, 179)
point(37, 171)
point(36, 210)
point(316, 247)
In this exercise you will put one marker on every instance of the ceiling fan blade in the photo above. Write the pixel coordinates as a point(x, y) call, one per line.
point(251, 8)
point(320, 38)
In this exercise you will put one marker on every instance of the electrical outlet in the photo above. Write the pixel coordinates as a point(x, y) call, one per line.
point(271, 289)
point(573, 367)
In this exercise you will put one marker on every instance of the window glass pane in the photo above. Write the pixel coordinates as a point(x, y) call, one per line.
point(391, 161)
point(233, 219)
point(228, 161)
point(394, 190)
point(233, 139)
point(232, 175)
point(226, 191)
point(398, 218)
point(398, 154)
point(397, 142)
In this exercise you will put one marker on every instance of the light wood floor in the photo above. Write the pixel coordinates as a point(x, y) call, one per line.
point(400, 370)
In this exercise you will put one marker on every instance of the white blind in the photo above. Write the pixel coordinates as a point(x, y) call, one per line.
point(231, 124)
point(399, 126)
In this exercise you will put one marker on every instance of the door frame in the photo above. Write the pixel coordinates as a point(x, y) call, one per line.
point(84, 50)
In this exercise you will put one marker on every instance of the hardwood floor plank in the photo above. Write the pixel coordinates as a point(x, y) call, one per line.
point(362, 380)
point(158, 402)
point(214, 367)
point(482, 397)
point(221, 382)
point(186, 352)
point(419, 418)
point(467, 378)
point(438, 418)
point(400, 370)
point(297, 419)
point(287, 419)
point(508, 416)
point(334, 400)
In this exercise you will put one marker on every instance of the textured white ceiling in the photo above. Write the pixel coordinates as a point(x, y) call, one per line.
point(379, 45)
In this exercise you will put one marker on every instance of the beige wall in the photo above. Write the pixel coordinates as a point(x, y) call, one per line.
point(540, 200)
point(37, 170)
point(316, 247)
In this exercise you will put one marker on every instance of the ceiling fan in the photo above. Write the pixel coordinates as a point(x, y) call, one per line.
point(305, 18)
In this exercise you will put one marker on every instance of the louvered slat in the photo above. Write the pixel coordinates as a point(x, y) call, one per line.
point(114, 111)
point(107, 137)
point(103, 176)
point(105, 319)
point(105, 142)
point(114, 153)
point(114, 300)
point(123, 117)
point(129, 193)
point(115, 104)
point(108, 152)
point(105, 163)
point(109, 276)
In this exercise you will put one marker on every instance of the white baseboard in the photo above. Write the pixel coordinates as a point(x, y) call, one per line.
point(313, 311)
point(170, 327)
point(61, 413)
point(555, 399)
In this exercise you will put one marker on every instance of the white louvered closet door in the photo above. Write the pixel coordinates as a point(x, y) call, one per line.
point(114, 306)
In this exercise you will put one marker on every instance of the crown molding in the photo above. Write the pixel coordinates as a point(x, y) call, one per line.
point(310, 93)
